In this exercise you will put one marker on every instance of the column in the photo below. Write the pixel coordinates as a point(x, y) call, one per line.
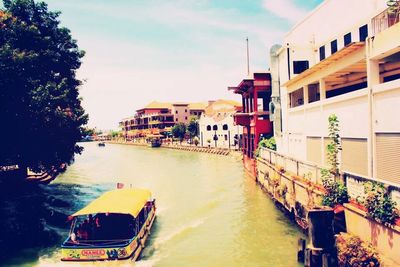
point(305, 94)
point(372, 80)
point(322, 89)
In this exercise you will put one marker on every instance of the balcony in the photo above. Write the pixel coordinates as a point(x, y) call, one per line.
point(242, 119)
point(386, 19)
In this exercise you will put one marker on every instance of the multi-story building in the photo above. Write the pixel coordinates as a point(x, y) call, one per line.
point(344, 59)
point(254, 116)
point(158, 117)
point(216, 125)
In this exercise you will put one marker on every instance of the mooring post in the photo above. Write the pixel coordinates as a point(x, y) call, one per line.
point(321, 250)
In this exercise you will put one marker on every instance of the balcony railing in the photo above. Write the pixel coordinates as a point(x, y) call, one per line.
point(386, 19)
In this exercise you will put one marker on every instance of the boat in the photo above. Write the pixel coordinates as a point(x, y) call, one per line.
point(101, 144)
point(154, 140)
point(114, 226)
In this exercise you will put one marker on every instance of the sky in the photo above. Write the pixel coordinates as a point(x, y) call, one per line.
point(171, 50)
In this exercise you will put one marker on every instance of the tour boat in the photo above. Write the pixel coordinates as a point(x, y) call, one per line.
point(154, 140)
point(114, 226)
point(101, 144)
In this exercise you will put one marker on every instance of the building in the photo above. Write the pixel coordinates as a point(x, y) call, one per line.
point(216, 125)
point(344, 59)
point(254, 116)
point(159, 117)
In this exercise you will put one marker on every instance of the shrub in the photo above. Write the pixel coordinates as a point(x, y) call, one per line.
point(379, 203)
point(336, 193)
point(353, 252)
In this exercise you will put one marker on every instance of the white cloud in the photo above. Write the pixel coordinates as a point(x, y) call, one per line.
point(204, 55)
point(286, 9)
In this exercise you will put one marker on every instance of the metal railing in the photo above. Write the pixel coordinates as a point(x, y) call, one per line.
point(306, 170)
point(386, 19)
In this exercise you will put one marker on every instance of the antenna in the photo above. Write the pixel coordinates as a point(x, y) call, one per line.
point(248, 59)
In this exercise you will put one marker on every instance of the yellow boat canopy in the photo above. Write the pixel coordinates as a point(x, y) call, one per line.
point(124, 201)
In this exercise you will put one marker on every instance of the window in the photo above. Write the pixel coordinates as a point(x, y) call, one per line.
point(215, 128)
point(176, 119)
point(208, 127)
point(322, 53)
point(185, 110)
point(363, 32)
point(300, 66)
point(313, 92)
point(185, 118)
point(226, 137)
point(333, 47)
point(347, 38)
point(176, 112)
point(296, 98)
point(225, 127)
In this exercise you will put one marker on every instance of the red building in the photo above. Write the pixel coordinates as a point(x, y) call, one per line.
point(256, 95)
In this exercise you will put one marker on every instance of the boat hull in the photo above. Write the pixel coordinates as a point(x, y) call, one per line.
point(127, 252)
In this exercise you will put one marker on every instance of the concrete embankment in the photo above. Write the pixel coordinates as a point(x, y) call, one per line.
point(218, 151)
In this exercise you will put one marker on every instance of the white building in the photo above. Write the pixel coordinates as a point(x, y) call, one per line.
point(216, 125)
point(349, 67)
point(343, 59)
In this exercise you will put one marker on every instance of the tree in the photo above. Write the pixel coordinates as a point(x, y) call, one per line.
point(193, 128)
point(39, 100)
point(179, 130)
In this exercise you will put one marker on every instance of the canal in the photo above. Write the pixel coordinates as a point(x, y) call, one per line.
point(210, 213)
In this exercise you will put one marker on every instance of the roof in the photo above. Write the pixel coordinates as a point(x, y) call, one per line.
point(157, 105)
point(345, 51)
point(123, 201)
point(198, 105)
point(221, 108)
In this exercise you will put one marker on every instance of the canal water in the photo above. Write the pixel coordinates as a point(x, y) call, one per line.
point(210, 213)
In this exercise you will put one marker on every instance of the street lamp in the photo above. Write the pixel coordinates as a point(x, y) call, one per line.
point(215, 138)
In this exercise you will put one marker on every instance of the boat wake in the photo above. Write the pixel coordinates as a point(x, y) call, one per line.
point(180, 231)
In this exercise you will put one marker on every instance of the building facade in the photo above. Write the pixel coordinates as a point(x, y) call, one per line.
point(159, 118)
point(349, 67)
point(254, 118)
point(216, 125)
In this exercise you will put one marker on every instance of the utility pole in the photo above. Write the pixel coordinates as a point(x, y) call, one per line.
point(248, 58)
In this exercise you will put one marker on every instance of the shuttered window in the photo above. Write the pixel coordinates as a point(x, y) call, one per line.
point(314, 150)
point(388, 157)
point(355, 156)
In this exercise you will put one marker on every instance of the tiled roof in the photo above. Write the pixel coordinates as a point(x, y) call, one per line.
point(221, 108)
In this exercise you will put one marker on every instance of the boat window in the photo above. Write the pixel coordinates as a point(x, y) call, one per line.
point(94, 229)
point(208, 127)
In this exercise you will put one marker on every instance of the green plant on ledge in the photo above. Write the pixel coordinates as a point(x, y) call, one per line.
point(266, 143)
point(336, 191)
point(379, 203)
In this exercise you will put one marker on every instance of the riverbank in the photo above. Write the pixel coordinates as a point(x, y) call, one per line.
point(192, 148)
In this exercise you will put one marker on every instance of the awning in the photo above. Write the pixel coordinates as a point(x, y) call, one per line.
point(324, 64)
point(123, 201)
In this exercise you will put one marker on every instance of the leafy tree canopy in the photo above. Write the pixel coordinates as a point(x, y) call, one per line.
point(40, 108)
point(193, 127)
point(179, 130)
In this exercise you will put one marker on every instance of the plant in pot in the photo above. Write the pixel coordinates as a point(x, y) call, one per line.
point(379, 204)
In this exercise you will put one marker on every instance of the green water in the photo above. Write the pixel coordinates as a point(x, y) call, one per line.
point(210, 213)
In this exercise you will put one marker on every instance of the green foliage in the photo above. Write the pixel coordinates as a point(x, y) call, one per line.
point(352, 251)
point(269, 143)
point(39, 98)
point(193, 127)
point(334, 146)
point(379, 203)
point(336, 191)
point(179, 130)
